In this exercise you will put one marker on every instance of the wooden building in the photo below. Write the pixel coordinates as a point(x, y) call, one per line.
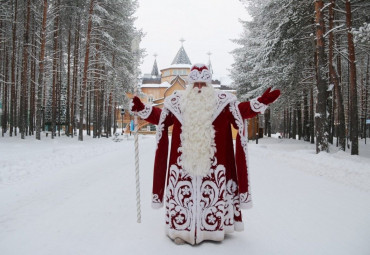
point(158, 85)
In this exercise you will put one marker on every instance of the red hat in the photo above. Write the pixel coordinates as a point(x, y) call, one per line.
point(199, 73)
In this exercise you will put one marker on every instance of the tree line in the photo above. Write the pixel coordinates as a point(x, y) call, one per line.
point(317, 53)
point(65, 65)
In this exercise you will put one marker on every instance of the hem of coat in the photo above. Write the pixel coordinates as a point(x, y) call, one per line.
point(247, 205)
point(188, 236)
point(157, 205)
point(238, 226)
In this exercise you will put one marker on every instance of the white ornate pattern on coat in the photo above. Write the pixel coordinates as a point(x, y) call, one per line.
point(258, 106)
point(245, 198)
point(209, 200)
point(144, 113)
point(156, 202)
point(179, 199)
point(232, 206)
point(160, 126)
point(212, 200)
point(196, 76)
point(223, 99)
point(173, 103)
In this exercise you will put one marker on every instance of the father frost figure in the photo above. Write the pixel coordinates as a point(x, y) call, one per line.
point(207, 180)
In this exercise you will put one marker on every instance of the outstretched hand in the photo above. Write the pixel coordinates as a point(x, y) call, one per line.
point(137, 105)
point(269, 96)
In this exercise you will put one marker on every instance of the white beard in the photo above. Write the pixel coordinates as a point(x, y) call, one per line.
point(198, 134)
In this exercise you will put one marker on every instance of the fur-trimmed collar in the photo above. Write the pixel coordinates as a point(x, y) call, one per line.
point(172, 103)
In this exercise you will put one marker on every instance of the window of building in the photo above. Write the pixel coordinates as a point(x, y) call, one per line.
point(166, 73)
point(150, 99)
point(179, 72)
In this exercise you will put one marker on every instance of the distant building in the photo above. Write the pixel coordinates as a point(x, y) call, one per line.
point(156, 86)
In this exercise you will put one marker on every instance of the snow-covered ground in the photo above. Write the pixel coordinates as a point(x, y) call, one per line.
point(67, 197)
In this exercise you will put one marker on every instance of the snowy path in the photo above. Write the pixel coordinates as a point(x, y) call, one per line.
point(300, 205)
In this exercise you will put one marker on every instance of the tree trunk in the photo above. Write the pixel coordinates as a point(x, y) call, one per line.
point(306, 119)
point(321, 115)
point(299, 117)
point(110, 103)
point(24, 84)
point(86, 63)
point(55, 71)
point(101, 110)
point(353, 85)
point(366, 93)
point(96, 94)
point(33, 84)
point(290, 130)
point(13, 93)
point(4, 121)
point(284, 123)
point(339, 94)
point(312, 118)
point(115, 119)
point(60, 89)
point(294, 120)
point(75, 76)
point(88, 117)
point(68, 114)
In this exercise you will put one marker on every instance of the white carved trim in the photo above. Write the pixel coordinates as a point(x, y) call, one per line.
point(196, 76)
point(156, 202)
point(145, 113)
point(223, 99)
point(258, 106)
point(247, 198)
point(173, 103)
point(160, 126)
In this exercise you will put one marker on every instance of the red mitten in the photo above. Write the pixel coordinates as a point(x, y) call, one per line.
point(137, 105)
point(269, 96)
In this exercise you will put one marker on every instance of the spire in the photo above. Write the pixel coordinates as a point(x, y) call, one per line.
point(181, 56)
point(155, 71)
point(209, 62)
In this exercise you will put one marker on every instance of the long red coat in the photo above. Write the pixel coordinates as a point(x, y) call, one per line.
point(202, 208)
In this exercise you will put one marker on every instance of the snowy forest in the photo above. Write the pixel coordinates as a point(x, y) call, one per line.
point(65, 62)
point(67, 65)
point(317, 54)
point(76, 176)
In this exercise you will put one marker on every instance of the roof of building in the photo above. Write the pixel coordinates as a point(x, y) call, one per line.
point(177, 66)
point(155, 71)
point(181, 57)
point(155, 85)
point(151, 80)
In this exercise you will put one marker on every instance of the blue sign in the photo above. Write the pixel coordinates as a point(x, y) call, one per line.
point(132, 125)
point(368, 121)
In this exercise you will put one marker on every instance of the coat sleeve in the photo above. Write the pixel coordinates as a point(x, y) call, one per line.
point(150, 113)
point(241, 153)
point(251, 108)
point(161, 157)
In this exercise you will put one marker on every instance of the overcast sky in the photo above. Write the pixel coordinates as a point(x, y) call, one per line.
point(206, 26)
